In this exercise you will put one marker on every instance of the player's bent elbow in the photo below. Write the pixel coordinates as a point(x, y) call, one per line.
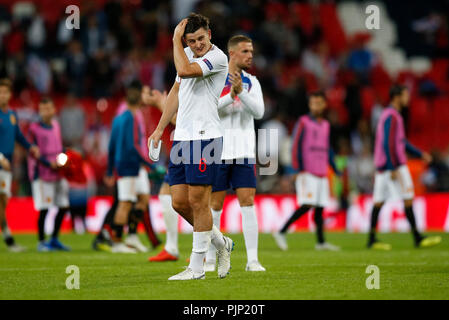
point(258, 112)
point(258, 115)
point(189, 73)
point(183, 74)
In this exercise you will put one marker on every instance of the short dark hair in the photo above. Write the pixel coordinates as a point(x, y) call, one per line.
point(396, 90)
point(196, 21)
point(237, 39)
point(45, 99)
point(5, 82)
point(318, 93)
point(135, 84)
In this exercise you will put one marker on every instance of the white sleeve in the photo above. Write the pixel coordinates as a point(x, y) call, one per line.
point(225, 105)
point(253, 100)
point(178, 78)
point(225, 101)
point(212, 62)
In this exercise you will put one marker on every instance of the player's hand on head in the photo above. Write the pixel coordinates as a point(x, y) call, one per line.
point(179, 30)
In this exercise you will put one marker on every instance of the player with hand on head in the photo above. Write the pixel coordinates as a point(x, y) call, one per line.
point(201, 74)
point(241, 102)
point(10, 134)
point(311, 156)
point(49, 188)
point(392, 175)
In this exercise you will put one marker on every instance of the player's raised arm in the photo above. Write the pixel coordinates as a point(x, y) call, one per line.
point(184, 67)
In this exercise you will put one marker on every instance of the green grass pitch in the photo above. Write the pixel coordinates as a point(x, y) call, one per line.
point(299, 273)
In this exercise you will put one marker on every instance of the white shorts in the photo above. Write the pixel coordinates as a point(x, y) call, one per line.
point(49, 194)
point(130, 187)
point(312, 190)
point(5, 182)
point(400, 188)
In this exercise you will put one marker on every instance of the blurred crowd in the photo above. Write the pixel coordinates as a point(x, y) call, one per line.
point(120, 41)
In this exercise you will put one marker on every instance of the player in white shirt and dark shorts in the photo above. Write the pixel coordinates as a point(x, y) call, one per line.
point(241, 102)
point(196, 152)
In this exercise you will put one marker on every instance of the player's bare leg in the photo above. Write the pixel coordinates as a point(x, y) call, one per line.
point(199, 202)
point(180, 201)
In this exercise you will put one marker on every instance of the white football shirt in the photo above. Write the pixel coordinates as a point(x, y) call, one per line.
point(237, 117)
point(197, 117)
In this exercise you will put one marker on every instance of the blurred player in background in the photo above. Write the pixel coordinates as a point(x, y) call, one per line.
point(241, 102)
point(392, 176)
point(103, 241)
point(171, 250)
point(311, 156)
point(126, 158)
point(10, 134)
point(49, 188)
point(201, 75)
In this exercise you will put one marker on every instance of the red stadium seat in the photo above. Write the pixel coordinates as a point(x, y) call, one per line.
point(332, 29)
point(304, 15)
point(440, 125)
point(368, 97)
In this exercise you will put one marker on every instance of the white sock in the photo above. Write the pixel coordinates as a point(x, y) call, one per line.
point(217, 238)
point(171, 224)
point(211, 253)
point(201, 241)
point(250, 232)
